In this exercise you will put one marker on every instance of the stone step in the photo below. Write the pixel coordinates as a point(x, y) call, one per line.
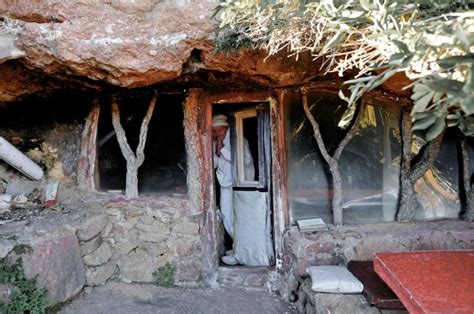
point(245, 277)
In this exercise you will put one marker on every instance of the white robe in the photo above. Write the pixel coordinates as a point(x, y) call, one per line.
point(223, 165)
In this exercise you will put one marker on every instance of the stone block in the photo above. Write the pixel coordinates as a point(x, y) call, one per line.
point(153, 249)
point(183, 246)
point(90, 246)
point(99, 275)
point(125, 247)
point(91, 227)
point(5, 248)
point(56, 259)
point(122, 232)
point(185, 227)
point(139, 267)
point(342, 304)
point(99, 256)
point(189, 271)
point(107, 230)
point(156, 227)
point(153, 237)
point(321, 247)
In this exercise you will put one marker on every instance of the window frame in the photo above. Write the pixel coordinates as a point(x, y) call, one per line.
point(237, 147)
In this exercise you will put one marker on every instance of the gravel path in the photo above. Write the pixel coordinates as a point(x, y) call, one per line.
point(120, 298)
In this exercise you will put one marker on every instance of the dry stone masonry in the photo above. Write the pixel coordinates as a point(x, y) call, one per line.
point(133, 240)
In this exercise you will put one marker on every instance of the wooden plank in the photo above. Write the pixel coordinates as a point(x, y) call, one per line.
point(376, 290)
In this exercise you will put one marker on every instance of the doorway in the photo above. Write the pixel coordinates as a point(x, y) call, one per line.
point(243, 185)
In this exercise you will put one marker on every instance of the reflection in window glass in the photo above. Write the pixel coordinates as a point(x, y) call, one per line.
point(370, 163)
point(370, 167)
point(250, 133)
point(437, 192)
point(309, 186)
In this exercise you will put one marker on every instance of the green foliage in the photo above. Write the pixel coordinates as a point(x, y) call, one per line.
point(164, 276)
point(26, 296)
point(21, 249)
point(431, 41)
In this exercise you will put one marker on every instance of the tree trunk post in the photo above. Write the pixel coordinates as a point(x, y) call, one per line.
point(407, 192)
point(466, 180)
point(134, 160)
point(411, 173)
point(131, 181)
point(86, 168)
point(333, 161)
point(337, 198)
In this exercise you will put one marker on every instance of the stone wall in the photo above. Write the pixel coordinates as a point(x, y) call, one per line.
point(132, 240)
point(360, 242)
point(91, 238)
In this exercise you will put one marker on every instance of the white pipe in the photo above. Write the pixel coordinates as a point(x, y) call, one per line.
point(19, 161)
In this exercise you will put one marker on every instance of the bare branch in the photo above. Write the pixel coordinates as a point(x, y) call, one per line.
point(144, 130)
point(120, 132)
point(428, 157)
point(351, 133)
point(315, 125)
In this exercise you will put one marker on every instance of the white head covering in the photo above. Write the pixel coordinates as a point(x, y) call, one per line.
point(219, 120)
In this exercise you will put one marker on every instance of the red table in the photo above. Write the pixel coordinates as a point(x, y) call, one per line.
point(430, 281)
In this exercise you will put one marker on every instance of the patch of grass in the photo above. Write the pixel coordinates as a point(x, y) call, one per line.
point(26, 296)
point(164, 276)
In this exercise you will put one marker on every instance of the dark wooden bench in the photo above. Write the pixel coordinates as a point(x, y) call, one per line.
point(375, 290)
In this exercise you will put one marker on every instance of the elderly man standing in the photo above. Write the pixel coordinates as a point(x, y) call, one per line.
point(223, 165)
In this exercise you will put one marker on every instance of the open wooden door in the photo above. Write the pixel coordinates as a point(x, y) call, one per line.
point(252, 192)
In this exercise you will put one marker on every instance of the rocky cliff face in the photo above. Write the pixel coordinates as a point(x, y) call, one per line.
point(91, 44)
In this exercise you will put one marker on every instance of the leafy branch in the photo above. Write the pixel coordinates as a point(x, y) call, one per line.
point(430, 41)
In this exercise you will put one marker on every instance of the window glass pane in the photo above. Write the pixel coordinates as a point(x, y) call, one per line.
point(370, 163)
point(250, 132)
point(437, 192)
point(309, 186)
point(370, 168)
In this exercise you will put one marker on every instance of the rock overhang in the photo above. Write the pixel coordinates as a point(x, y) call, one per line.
point(101, 44)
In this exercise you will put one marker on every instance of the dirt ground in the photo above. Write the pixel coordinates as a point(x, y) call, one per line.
point(117, 298)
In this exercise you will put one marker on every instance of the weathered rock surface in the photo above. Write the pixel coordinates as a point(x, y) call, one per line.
point(139, 267)
point(360, 242)
point(17, 82)
point(99, 275)
point(8, 49)
point(113, 249)
point(90, 246)
point(6, 247)
point(133, 44)
point(6, 291)
point(92, 227)
point(118, 298)
point(99, 256)
point(56, 260)
point(342, 303)
point(153, 237)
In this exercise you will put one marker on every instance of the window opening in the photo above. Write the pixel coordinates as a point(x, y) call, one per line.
point(164, 168)
point(369, 164)
point(249, 137)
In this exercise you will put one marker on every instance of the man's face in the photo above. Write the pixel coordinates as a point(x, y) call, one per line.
point(219, 132)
